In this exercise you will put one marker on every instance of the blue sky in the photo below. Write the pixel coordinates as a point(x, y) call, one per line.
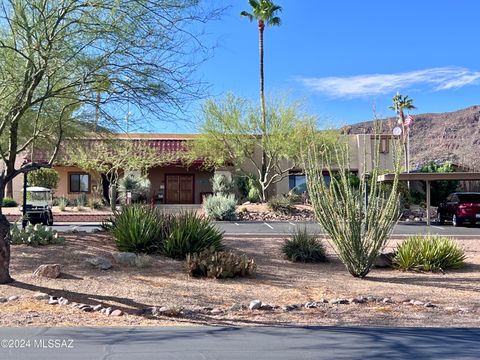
point(345, 56)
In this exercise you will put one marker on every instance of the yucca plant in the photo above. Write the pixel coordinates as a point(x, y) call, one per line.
point(190, 233)
point(304, 247)
point(358, 219)
point(429, 253)
point(136, 228)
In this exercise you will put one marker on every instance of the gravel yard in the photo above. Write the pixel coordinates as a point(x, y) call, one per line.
point(278, 282)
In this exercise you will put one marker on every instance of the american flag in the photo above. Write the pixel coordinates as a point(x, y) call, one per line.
point(409, 121)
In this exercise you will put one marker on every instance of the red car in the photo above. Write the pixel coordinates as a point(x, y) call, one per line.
point(460, 207)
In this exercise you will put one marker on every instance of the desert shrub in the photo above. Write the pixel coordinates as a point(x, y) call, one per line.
point(280, 204)
point(95, 203)
point(219, 264)
point(358, 229)
point(44, 177)
point(304, 247)
point(220, 207)
point(138, 186)
point(295, 198)
point(254, 195)
point(81, 201)
point(9, 202)
point(189, 233)
point(136, 229)
point(62, 202)
point(429, 253)
point(34, 235)
point(221, 185)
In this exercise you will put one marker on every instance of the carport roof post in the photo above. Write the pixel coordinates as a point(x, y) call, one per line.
point(429, 177)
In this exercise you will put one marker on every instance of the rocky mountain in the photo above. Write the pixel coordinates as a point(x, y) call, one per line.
point(453, 136)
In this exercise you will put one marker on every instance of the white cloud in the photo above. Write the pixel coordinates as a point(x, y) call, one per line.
point(442, 78)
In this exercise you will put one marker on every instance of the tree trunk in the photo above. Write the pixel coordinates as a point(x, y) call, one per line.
point(261, 27)
point(4, 241)
point(113, 197)
point(10, 189)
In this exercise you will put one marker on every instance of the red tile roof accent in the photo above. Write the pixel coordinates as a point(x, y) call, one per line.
point(162, 143)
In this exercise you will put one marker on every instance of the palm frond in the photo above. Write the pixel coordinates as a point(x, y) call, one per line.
point(247, 15)
point(276, 21)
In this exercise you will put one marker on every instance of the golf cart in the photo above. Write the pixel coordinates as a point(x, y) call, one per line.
point(38, 207)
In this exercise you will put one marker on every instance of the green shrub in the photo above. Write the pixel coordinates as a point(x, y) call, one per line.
point(136, 229)
point(304, 247)
point(429, 253)
point(220, 207)
point(221, 185)
point(34, 235)
point(280, 204)
point(219, 264)
point(44, 177)
point(81, 201)
point(189, 233)
point(9, 202)
point(95, 203)
point(138, 186)
point(254, 194)
point(62, 202)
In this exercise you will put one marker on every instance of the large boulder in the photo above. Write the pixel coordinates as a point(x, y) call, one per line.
point(99, 262)
point(384, 260)
point(48, 270)
point(126, 258)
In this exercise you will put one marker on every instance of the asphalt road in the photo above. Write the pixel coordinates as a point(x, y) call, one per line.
point(284, 228)
point(238, 343)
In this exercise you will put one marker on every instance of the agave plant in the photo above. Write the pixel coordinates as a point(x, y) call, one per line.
point(190, 233)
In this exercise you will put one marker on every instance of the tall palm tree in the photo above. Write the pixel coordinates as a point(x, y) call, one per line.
point(265, 13)
point(401, 103)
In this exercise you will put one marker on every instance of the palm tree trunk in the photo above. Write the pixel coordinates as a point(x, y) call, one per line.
point(261, 27)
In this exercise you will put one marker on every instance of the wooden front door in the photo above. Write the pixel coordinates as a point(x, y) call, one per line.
point(179, 189)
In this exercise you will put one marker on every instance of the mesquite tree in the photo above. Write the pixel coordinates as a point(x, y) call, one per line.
point(65, 61)
point(359, 219)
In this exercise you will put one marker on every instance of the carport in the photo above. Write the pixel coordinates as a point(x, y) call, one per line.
point(428, 178)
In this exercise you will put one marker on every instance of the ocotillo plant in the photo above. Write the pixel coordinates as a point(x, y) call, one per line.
point(359, 219)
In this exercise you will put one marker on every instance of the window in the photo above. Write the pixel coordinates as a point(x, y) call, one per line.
point(79, 183)
point(297, 183)
point(384, 146)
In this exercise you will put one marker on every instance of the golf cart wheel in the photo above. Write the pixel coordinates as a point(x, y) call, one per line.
point(440, 219)
point(456, 221)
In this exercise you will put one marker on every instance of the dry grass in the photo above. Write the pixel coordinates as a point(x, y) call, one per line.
point(278, 282)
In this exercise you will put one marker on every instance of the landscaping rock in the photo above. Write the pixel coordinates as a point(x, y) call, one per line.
point(387, 301)
point(64, 302)
point(384, 260)
point(116, 313)
point(216, 312)
point(126, 258)
point(170, 311)
point(87, 308)
point(236, 307)
point(429, 305)
point(288, 307)
point(97, 307)
point(99, 262)
point(51, 271)
point(255, 304)
point(358, 300)
point(3, 300)
point(53, 300)
point(266, 307)
point(339, 301)
point(417, 302)
point(13, 298)
point(310, 305)
point(40, 296)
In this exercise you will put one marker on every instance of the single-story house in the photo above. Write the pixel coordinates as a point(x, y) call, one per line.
point(175, 183)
